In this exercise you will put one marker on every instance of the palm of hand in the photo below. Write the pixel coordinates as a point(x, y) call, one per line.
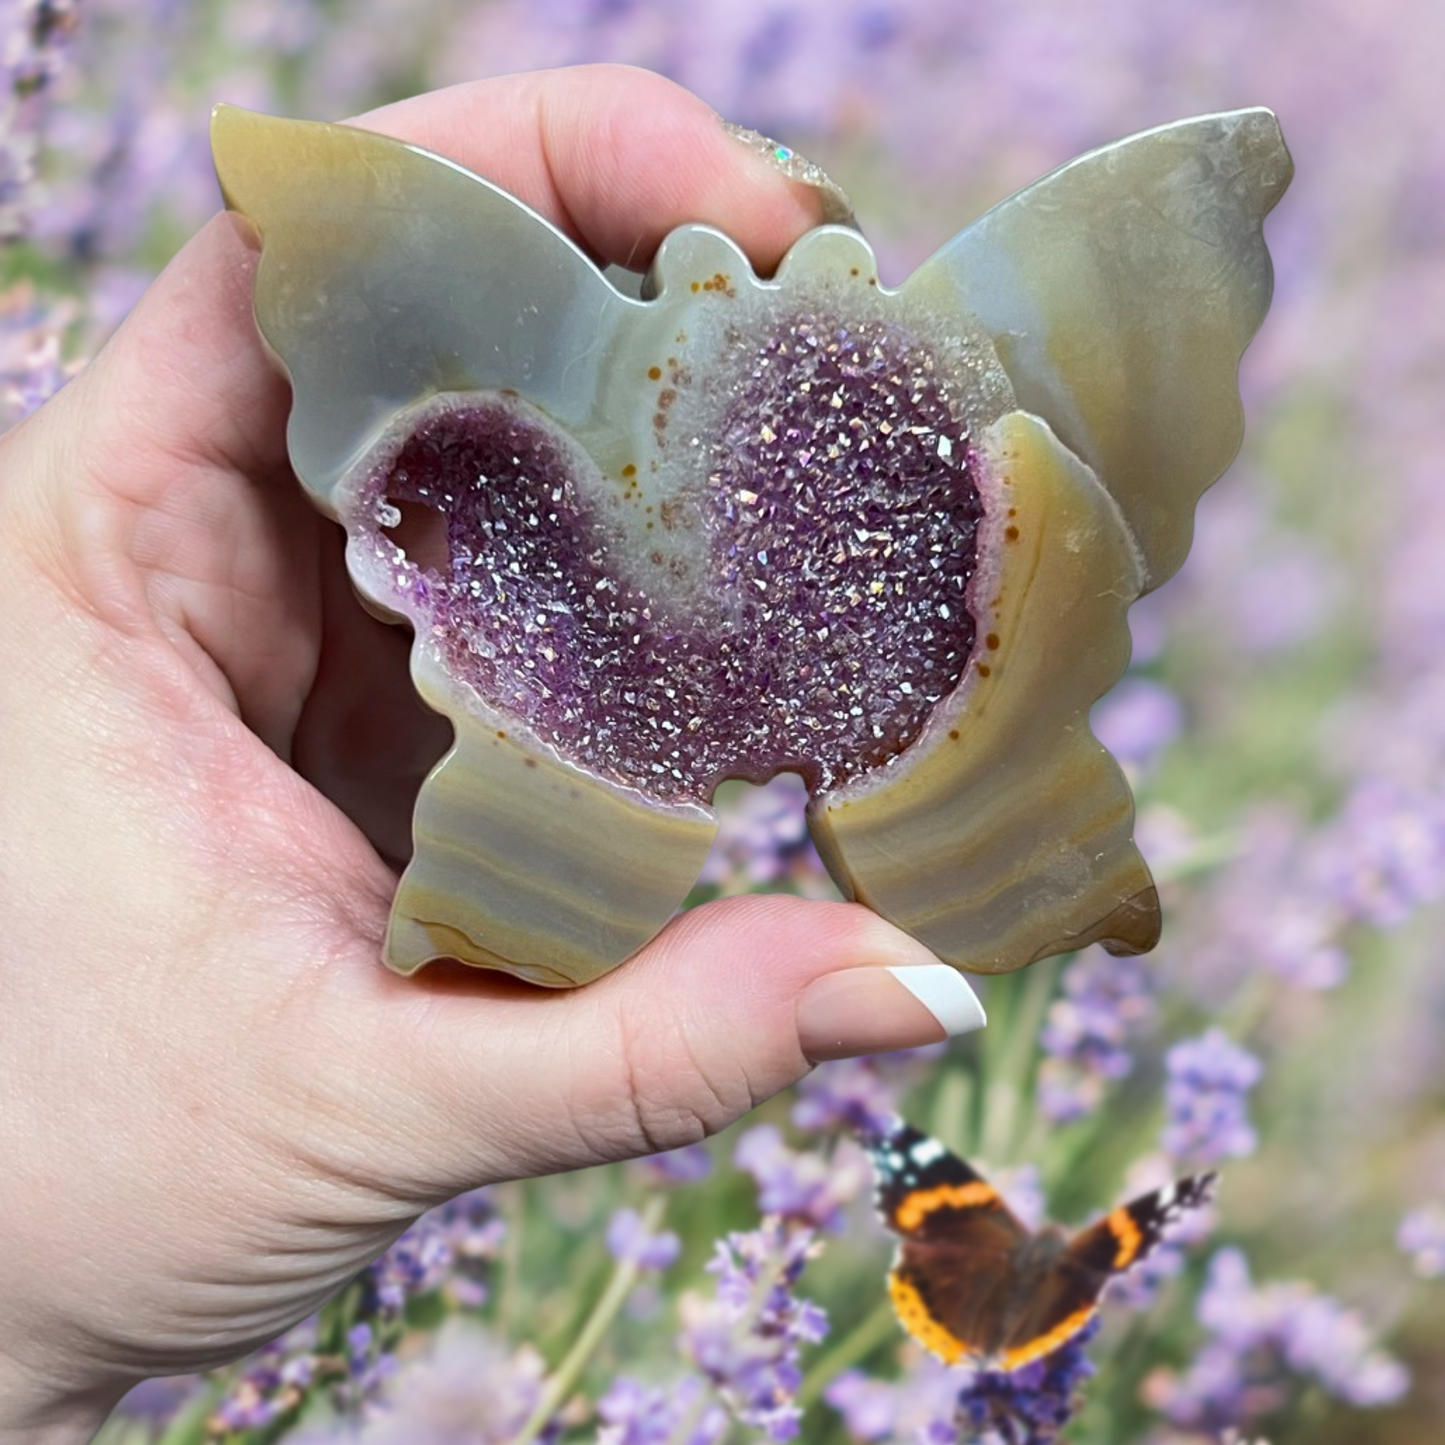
point(176, 628)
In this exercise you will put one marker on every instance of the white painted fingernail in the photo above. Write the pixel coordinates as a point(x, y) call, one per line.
point(945, 993)
point(865, 1011)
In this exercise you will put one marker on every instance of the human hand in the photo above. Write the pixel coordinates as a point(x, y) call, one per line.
point(216, 1105)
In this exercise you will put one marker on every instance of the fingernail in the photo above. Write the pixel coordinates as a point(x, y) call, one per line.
point(874, 1010)
point(837, 208)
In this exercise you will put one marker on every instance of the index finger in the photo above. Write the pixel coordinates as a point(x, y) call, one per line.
point(617, 157)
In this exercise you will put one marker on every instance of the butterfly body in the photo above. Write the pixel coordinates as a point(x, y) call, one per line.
point(972, 1284)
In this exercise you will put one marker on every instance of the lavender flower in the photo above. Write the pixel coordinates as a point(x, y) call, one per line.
point(803, 1188)
point(469, 1389)
point(1028, 1406)
point(1384, 855)
point(686, 1165)
point(34, 36)
point(283, 1376)
point(683, 1414)
point(763, 838)
point(370, 1365)
point(31, 365)
point(747, 1339)
point(42, 374)
point(271, 1384)
point(869, 1407)
point(1265, 1340)
point(914, 1408)
point(860, 1096)
point(1106, 1002)
point(449, 1248)
point(1209, 1078)
point(628, 1239)
point(158, 1401)
point(1422, 1237)
point(1137, 720)
point(1273, 910)
point(952, 1406)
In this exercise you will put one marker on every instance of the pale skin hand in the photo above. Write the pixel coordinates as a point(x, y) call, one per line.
point(215, 1104)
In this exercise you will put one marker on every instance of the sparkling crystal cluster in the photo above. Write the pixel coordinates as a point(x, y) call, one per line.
point(836, 518)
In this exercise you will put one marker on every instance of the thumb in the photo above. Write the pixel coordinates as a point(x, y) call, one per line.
point(732, 1002)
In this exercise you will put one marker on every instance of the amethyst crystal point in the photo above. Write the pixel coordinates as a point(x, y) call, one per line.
point(738, 527)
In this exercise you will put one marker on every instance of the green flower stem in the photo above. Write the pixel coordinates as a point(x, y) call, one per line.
point(860, 1342)
point(189, 1427)
point(952, 1111)
point(1012, 1061)
point(119, 1431)
point(1247, 1010)
point(511, 1270)
point(559, 1386)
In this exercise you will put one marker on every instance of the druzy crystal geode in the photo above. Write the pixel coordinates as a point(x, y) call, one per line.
point(739, 526)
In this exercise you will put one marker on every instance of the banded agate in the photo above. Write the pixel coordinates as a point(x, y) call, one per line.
point(886, 539)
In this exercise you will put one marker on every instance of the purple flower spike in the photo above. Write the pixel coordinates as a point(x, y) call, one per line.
point(1209, 1078)
point(746, 1341)
point(157, 1401)
point(763, 838)
point(629, 1241)
point(677, 1166)
point(860, 1096)
point(449, 1249)
point(804, 1188)
point(1028, 1406)
point(31, 368)
point(918, 1408)
point(271, 1384)
point(869, 1407)
point(1422, 1237)
point(469, 1387)
point(1385, 854)
point(1106, 1001)
point(1265, 1341)
point(33, 47)
point(633, 1414)
point(1137, 721)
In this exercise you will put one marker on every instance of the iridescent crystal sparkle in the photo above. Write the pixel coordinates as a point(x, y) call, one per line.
point(799, 602)
point(737, 526)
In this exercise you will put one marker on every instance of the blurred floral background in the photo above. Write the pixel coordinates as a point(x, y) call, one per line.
point(1283, 721)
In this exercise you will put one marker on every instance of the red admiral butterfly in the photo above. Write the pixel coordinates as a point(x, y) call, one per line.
point(969, 1282)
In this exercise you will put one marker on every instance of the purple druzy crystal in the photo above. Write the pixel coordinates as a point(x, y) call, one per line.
point(833, 509)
